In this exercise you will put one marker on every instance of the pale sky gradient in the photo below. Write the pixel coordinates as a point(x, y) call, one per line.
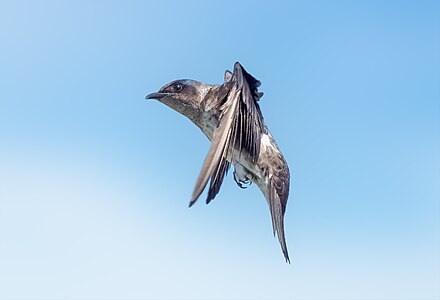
point(95, 180)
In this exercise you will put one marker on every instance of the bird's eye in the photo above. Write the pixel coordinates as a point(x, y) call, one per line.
point(177, 87)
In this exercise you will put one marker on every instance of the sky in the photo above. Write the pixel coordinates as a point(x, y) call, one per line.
point(95, 180)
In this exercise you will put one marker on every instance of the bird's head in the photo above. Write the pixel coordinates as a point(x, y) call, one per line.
point(182, 95)
point(183, 90)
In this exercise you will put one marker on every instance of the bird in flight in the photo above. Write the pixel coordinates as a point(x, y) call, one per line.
point(230, 117)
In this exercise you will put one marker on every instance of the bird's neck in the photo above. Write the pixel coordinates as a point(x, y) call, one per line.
point(189, 110)
point(203, 111)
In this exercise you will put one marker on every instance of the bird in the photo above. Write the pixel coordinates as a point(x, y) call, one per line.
point(229, 115)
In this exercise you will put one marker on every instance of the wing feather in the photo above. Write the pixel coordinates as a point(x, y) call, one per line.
point(217, 180)
point(278, 194)
point(219, 145)
point(240, 127)
point(239, 130)
point(278, 222)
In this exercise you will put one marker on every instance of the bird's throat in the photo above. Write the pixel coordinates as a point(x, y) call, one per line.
point(190, 111)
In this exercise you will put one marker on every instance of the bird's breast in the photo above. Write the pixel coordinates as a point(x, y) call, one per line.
point(208, 122)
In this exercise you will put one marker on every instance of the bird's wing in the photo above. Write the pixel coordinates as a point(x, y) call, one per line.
point(278, 193)
point(240, 128)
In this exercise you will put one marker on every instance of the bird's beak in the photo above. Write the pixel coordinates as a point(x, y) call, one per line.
point(155, 95)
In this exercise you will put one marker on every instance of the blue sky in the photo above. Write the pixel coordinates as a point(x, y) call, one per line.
point(95, 181)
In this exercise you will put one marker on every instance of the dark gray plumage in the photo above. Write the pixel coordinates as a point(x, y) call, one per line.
point(229, 115)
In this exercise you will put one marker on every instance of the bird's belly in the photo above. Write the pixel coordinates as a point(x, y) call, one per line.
point(255, 171)
point(269, 162)
point(243, 163)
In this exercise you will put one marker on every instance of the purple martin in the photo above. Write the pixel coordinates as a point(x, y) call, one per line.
point(230, 117)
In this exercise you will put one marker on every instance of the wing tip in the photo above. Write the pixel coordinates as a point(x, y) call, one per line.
point(282, 240)
point(227, 76)
point(193, 200)
point(277, 216)
point(283, 245)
